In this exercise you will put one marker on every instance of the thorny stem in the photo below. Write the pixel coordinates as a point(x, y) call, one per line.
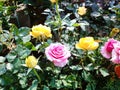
point(83, 59)
point(59, 19)
point(35, 72)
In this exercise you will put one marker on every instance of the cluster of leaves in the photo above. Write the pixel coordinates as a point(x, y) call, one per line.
point(85, 70)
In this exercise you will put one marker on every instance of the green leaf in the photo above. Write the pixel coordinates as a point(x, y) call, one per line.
point(23, 31)
point(75, 84)
point(63, 76)
point(29, 70)
point(89, 67)
point(2, 59)
point(104, 72)
point(29, 45)
point(4, 37)
point(22, 51)
point(76, 67)
point(38, 46)
point(2, 68)
point(49, 41)
point(11, 56)
point(14, 29)
point(84, 25)
point(91, 86)
point(72, 22)
point(34, 85)
point(87, 76)
point(66, 84)
point(46, 88)
point(1, 47)
point(26, 38)
point(17, 63)
point(9, 66)
point(71, 78)
point(22, 81)
point(22, 35)
point(7, 79)
point(43, 46)
point(1, 81)
point(67, 16)
point(76, 24)
point(52, 82)
point(58, 84)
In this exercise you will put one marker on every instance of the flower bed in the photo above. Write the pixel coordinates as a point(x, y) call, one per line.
point(59, 45)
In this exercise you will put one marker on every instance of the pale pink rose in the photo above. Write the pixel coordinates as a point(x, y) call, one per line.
point(116, 53)
point(107, 48)
point(58, 54)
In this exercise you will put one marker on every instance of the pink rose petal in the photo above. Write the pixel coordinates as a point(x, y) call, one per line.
point(58, 54)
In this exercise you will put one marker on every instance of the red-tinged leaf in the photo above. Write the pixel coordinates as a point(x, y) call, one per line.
point(117, 70)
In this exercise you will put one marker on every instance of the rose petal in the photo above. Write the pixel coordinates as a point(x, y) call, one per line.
point(58, 54)
point(61, 63)
point(115, 57)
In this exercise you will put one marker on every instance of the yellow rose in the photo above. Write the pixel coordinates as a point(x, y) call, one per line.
point(53, 1)
point(82, 10)
point(87, 43)
point(31, 62)
point(41, 31)
point(114, 32)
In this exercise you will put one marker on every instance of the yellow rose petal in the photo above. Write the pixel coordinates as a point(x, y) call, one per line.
point(82, 10)
point(94, 46)
point(53, 1)
point(87, 43)
point(41, 32)
point(114, 32)
point(31, 62)
point(77, 46)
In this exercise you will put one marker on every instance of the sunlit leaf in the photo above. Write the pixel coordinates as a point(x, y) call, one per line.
point(2, 68)
point(46, 88)
point(34, 85)
point(2, 59)
point(104, 72)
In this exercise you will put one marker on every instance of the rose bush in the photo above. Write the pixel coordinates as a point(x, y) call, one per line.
point(69, 45)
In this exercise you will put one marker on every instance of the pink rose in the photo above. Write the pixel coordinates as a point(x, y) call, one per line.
point(107, 48)
point(58, 54)
point(116, 53)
